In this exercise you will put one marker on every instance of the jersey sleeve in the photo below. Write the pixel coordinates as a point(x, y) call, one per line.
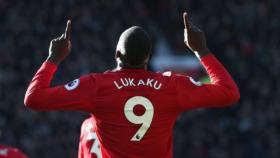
point(222, 91)
point(76, 95)
point(21, 155)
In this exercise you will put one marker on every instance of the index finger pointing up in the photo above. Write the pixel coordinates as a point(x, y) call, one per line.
point(68, 30)
point(186, 20)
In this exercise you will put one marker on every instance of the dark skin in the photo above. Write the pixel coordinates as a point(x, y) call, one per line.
point(60, 47)
point(124, 65)
point(194, 38)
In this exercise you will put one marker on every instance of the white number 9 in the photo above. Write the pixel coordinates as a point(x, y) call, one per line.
point(145, 119)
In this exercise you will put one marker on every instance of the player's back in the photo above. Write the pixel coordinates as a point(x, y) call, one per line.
point(134, 110)
point(135, 113)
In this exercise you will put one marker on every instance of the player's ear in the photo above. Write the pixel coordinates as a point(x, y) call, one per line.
point(150, 57)
point(118, 54)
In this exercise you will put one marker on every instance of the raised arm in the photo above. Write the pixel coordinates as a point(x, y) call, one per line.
point(76, 95)
point(222, 91)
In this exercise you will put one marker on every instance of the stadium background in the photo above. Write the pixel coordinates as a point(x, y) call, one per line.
point(244, 34)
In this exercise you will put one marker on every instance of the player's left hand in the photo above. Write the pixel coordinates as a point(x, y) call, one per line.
point(60, 47)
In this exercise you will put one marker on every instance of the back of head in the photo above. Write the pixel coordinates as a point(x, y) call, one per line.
point(134, 47)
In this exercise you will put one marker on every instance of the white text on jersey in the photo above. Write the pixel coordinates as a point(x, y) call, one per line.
point(131, 82)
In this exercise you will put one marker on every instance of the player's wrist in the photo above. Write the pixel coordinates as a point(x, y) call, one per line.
point(53, 60)
point(201, 53)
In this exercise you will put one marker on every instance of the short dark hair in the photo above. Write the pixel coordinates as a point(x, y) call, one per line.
point(135, 46)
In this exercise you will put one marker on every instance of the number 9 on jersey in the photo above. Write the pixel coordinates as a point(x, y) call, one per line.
point(145, 119)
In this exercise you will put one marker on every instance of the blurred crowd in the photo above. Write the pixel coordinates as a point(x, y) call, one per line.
point(243, 34)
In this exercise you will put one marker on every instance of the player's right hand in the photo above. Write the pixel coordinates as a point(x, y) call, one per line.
point(194, 38)
point(60, 47)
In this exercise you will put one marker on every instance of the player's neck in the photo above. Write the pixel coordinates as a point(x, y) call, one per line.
point(122, 65)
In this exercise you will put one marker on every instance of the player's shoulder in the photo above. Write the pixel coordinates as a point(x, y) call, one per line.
point(168, 75)
point(89, 120)
point(88, 123)
point(165, 76)
point(102, 79)
point(182, 79)
point(99, 75)
point(94, 77)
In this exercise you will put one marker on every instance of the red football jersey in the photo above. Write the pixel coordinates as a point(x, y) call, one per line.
point(10, 152)
point(135, 110)
point(89, 146)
